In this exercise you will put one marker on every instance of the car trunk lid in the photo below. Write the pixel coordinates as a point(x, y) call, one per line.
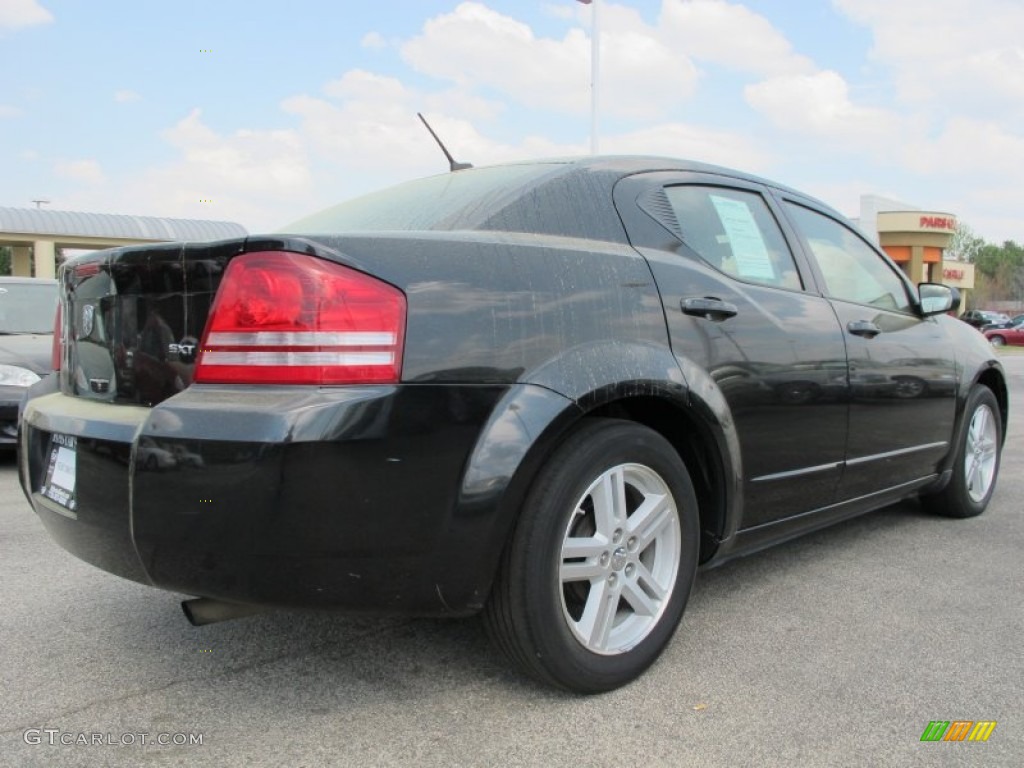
point(133, 319)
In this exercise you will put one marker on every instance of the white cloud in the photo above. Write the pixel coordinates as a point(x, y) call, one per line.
point(731, 35)
point(124, 96)
point(562, 10)
point(949, 53)
point(361, 85)
point(708, 145)
point(496, 89)
point(9, 111)
point(475, 47)
point(362, 133)
point(819, 105)
point(84, 171)
point(15, 14)
point(956, 66)
point(371, 136)
point(373, 41)
point(258, 178)
point(371, 124)
point(257, 161)
point(973, 148)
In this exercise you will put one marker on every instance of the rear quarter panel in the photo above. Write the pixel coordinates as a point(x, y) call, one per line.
point(496, 307)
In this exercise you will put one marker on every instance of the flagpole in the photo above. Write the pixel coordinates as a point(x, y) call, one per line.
point(595, 72)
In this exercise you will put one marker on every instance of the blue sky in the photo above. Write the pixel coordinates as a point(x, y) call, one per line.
point(262, 111)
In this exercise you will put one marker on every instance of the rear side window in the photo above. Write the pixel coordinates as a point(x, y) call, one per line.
point(852, 270)
point(734, 231)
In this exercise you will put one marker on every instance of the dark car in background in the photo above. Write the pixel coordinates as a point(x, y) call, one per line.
point(27, 309)
point(545, 391)
point(1008, 323)
point(979, 318)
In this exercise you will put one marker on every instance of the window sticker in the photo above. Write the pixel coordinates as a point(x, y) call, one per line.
point(748, 247)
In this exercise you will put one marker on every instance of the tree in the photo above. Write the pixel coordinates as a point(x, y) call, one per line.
point(965, 244)
point(1000, 272)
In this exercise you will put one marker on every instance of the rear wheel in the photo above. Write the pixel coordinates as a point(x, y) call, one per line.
point(596, 576)
point(976, 465)
point(997, 341)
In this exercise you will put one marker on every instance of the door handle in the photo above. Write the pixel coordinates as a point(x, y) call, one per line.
point(864, 328)
point(708, 307)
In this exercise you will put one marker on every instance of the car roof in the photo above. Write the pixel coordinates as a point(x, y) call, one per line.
point(563, 196)
point(627, 165)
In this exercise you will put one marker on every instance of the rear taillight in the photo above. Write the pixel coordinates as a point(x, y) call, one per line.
point(289, 318)
point(58, 339)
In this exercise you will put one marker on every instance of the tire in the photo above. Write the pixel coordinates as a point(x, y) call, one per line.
point(976, 464)
point(997, 341)
point(574, 551)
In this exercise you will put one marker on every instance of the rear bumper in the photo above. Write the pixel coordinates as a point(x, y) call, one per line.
point(343, 498)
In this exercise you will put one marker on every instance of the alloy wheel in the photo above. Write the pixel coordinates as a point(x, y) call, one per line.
point(980, 453)
point(619, 558)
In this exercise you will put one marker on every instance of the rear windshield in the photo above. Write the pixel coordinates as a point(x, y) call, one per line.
point(27, 307)
point(459, 200)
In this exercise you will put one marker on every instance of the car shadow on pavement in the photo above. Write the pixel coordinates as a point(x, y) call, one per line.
point(319, 661)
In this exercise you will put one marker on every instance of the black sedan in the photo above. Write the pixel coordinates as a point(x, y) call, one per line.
point(546, 391)
point(1009, 322)
point(983, 318)
point(27, 305)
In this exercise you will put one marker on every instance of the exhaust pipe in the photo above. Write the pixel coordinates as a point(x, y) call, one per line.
point(206, 610)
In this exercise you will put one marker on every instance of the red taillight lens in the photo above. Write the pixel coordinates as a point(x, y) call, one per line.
point(289, 318)
point(58, 339)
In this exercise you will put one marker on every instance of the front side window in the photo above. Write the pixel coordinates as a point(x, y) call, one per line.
point(734, 231)
point(852, 270)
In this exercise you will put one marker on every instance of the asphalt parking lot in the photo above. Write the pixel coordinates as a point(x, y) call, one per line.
point(833, 650)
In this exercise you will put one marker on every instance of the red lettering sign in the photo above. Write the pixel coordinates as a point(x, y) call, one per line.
point(937, 222)
point(953, 274)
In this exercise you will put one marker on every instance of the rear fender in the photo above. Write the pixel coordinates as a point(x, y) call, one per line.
point(535, 416)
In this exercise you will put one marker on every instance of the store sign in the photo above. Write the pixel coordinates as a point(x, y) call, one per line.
point(930, 222)
point(958, 274)
point(947, 223)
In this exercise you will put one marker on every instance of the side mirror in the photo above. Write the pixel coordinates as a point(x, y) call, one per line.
point(935, 298)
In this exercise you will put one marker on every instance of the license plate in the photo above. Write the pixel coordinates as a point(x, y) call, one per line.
point(59, 483)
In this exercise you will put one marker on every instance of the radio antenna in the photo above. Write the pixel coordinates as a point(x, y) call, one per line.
point(452, 163)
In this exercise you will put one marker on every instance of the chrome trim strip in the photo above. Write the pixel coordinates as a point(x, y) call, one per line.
point(796, 472)
point(848, 463)
point(330, 358)
point(890, 454)
point(302, 339)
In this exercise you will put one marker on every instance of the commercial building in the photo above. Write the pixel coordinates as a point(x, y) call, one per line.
point(35, 234)
point(916, 240)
